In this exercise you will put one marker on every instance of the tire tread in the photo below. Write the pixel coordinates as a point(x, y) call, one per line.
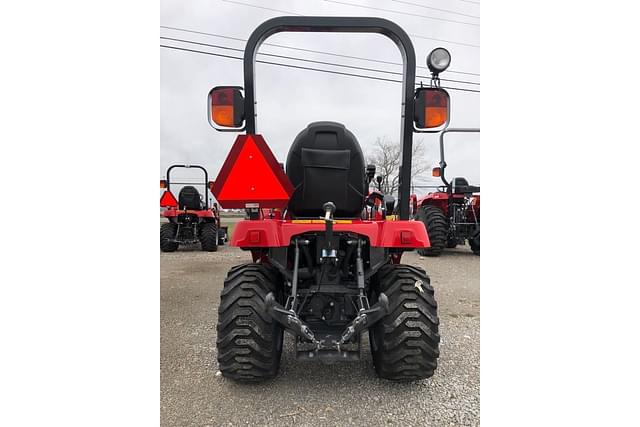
point(249, 341)
point(209, 237)
point(436, 225)
point(407, 338)
point(168, 231)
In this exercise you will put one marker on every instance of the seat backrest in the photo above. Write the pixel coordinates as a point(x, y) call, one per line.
point(326, 164)
point(459, 182)
point(189, 198)
point(461, 186)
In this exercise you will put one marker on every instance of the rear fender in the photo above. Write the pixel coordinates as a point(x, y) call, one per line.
point(269, 233)
point(439, 200)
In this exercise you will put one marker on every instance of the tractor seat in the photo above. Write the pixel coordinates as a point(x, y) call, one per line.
point(461, 186)
point(189, 198)
point(326, 164)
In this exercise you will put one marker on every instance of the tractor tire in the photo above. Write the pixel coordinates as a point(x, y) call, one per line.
point(168, 232)
point(249, 341)
point(404, 344)
point(436, 225)
point(451, 243)
point(222, 237)
point(209, 237)
point(474, 242)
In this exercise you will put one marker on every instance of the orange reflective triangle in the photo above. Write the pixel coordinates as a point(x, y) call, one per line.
point(251, 174)
point(167, 200)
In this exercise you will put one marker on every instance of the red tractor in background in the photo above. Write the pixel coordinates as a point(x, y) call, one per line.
point(190, 218)
point(326, 252)
point(451, 214)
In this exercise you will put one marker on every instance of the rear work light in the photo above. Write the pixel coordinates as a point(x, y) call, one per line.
point(438, 60)
point(226, 107)
point(431, 108)
point(163, 183)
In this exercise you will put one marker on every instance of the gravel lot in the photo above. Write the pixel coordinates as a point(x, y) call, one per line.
point(307, 393)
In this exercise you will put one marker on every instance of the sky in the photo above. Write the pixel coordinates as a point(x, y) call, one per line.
point(288, 99)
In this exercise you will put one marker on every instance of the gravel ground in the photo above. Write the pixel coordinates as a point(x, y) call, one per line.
point(310, 393)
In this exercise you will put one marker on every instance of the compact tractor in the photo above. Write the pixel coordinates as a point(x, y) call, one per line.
point(190, 220)
point(326, 251)
point(451, 214)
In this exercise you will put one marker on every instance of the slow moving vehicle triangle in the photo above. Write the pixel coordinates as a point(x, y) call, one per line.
point(168, 200)
point(251, 174)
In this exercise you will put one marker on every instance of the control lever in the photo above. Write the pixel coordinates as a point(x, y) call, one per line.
point(329, 251)
point(329, 208)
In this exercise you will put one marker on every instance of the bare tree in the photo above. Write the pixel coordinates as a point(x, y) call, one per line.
point(386, 156)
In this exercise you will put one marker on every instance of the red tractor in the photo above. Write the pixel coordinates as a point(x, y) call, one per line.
point(451, 214)
point(190, 218)
point(326, 252)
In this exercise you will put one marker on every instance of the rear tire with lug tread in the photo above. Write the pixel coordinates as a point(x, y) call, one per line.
point(209, 237)
point(249, 341)
point(436, 224)
point(405, 342)
point(167, 233)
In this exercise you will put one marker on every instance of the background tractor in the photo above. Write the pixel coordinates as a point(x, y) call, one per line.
point(451, 214)
point(190, 219)
point(326, 251)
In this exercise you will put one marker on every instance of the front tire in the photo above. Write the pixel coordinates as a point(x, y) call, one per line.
point(404, 344)
point(209, 237)
point(249, 341)
point(436, 224)
point(222, 235)
point(168, 233)
point(474, 242)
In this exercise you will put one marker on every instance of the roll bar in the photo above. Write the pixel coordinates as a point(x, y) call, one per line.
point(206, 180)
point(343, 25)
point(443, 164)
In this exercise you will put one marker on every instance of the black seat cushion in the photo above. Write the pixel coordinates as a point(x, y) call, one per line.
point(189, 198)
point(326, 164)
point(461, 186)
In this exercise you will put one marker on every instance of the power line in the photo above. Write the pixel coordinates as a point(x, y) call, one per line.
point(298, 14)
point(313, 61)
point(398, 12)
point(444, 41)
point(311, 50)
point(283, 65)
point(207, 34)
point(435, 8)
point(261, 7)
point(308, 68)
point(354, 5)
